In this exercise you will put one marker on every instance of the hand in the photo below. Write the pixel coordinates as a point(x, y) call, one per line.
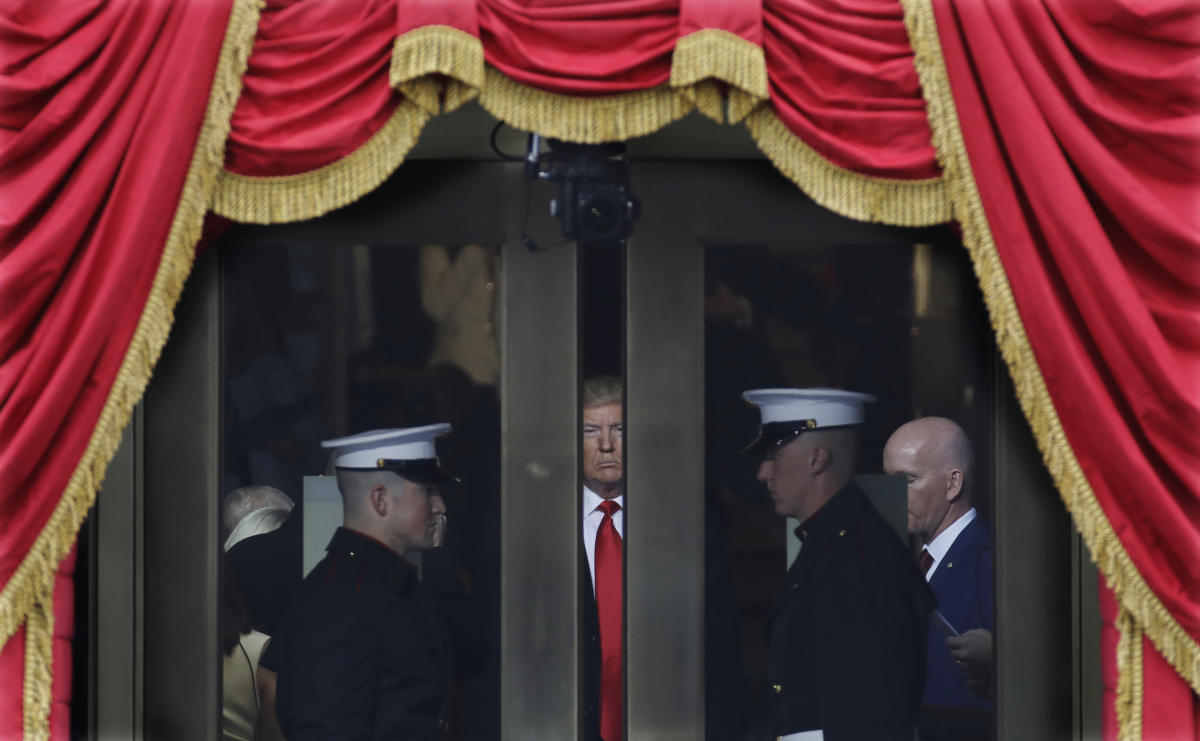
point(972, 653)
point(439, 529)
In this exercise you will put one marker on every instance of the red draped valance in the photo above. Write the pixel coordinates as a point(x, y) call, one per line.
point(1063, 137)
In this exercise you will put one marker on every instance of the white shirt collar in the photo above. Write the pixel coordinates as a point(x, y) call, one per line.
point(592, 500)
point(940, 546)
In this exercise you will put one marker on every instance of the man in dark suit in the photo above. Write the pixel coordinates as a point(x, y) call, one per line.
point(935, 456)
point(847, 632)
point(603, 502)
point(366, 651)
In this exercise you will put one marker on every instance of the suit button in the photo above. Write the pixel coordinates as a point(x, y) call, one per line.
point(778, 688)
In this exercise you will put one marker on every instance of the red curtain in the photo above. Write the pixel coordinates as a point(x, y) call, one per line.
point(103, 103)
point(1168, 709)
point(842, 79)
point(316, 86)
point(1082, 124)
point(588, 47)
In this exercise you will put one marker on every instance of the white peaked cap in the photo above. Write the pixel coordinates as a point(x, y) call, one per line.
point(367, 449)
point(824, 406)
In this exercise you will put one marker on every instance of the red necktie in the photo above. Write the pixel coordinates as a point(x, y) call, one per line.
point(926, 562)
point(608, 607)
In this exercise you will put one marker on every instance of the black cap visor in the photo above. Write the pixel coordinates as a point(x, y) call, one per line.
point(421, 470)
point(774, 435)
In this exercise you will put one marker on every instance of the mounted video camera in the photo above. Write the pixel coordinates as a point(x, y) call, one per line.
point(593, 199)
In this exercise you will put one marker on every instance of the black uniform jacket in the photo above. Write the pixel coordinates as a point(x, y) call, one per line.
point(365, 651)
point(847, 633)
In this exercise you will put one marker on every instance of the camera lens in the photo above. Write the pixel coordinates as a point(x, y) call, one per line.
point(601, 214)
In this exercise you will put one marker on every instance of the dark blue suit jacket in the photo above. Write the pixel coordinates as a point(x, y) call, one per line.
point(962, 584)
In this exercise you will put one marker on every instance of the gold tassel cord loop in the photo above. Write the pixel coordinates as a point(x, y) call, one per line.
point(437, 67)
point(1129, 677)
point(1132, 592)
point(704, 59)
point(39, 664)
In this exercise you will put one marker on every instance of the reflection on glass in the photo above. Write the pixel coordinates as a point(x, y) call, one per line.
point(320, 342)
point(901, 322)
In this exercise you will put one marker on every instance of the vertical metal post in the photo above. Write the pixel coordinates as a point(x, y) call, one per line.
point(116, 635)
point(540, 598)
point(664, 420)
point(1032, 546)
point(182, 658)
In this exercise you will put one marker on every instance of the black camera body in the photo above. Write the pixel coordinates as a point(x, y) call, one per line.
point(593, 201)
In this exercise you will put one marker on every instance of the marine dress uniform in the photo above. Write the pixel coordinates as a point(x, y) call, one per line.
point(847, 632)
point(366, 650)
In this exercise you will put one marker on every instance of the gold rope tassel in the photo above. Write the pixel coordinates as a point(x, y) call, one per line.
point(1129, 678)
point(1131, 590)
point(39, 668)
point(437, 67)
point(703, 58)
point(307, 195)
point(853, 195)
point(582, 120)
point(28, 598)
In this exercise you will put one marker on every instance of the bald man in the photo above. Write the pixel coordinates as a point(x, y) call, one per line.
point(935, 457)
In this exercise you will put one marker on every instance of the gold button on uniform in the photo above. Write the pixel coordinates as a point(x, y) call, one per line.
point(777, 687)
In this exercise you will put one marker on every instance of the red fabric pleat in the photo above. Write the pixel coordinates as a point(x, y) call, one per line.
point(842, 79)
point(609, 609)
point(316, 87)
point(1082, 123)
point(92, 162)
point(581, 47)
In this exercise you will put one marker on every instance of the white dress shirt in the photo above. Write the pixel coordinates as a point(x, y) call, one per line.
point(592, 517)
point(940, 546)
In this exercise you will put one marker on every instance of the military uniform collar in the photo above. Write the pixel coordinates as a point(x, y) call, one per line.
point(351, 544)
point(831, 519)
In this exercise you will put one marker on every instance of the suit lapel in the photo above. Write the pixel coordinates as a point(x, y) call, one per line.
point(956, 556)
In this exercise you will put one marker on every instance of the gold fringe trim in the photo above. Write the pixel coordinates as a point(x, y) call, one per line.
point(284, 198)
point(582, 120)
point(1132, 592)
point(1129, 678)
point(39, 663)
point(703, 57)
point(28, 597)
point(421, 55)
point(851, 194)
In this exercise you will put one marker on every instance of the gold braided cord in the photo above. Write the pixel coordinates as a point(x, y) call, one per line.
point(39, 663)
point(1129, 677)
point(704, 57)
point(1110, 556)
point(851, 194)
point(28, 597)
point(437, 67)
point(583, 120)
point(307, 195)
